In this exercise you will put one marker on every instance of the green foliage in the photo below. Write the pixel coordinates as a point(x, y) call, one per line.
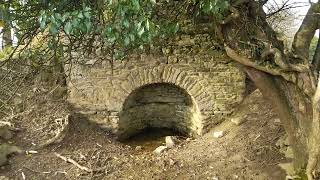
point(215, 7)
point(130, 23)
point(74, 23)
point(118, 25)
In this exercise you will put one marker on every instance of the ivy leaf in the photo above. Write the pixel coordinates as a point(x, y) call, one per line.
point(146, 37)
point(153, 2)
point(88, 25)
point(108, 30)
point(138, 25)
point(132, 38)
point(75, 13)
point(112, 38)
point(75, 23)
point(87, 14)
point(87, 9)
point(43, 20)
point(119, 54)
point(80, 15)
point(135, 4)
point(53, 30)
point(43, 24)
point(58, 17)
point(65, 16)
point(68, 28)
point(147, 25)
point(140, 31)
point(176, 28)
point(83, 27)
point(109, 2)
point(126, 23)
point(126, 41)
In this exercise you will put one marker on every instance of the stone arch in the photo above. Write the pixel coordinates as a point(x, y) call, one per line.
point(195, 87)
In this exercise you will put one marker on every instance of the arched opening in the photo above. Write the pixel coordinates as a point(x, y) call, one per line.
point(158, 105)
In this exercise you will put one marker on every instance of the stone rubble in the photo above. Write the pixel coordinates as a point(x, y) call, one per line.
point(277, 120)
point(218, 134)
point(160, 149)
point(239, 120)
point(138, 148)
point(170, 141)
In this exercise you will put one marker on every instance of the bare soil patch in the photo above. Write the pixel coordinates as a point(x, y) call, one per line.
point(247, 151)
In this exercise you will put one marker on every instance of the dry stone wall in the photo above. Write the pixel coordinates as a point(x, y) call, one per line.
point(160, 105)
point(192, 63)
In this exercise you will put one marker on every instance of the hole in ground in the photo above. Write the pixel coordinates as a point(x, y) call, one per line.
point(151, 138)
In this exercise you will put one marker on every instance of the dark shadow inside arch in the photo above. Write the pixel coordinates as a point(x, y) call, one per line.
point(156, 106)
point(150, 138)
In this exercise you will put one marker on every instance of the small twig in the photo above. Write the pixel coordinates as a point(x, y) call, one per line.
point(6, 123)
point(23, 176)
point(73, 162)
point(53, 90)
point(61, 172)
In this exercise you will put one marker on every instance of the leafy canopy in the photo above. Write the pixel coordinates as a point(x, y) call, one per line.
point(118, 25)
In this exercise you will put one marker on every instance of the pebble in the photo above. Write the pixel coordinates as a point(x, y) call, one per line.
point(292, 177)
point(160, 149)
point(239, 120)
point(171, 162)
point(31, 152)
point(170, 142)
point(138, 148)
point(277, 120)
point(218, 134)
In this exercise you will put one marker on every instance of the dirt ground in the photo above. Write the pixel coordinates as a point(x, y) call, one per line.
point(246, 151)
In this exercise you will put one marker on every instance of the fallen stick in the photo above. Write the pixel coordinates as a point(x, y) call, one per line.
point(73, 162)
point(6, 123)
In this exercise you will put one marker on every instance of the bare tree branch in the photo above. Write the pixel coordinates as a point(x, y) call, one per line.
point(246, 61)
point(303, 37)
point(275, 8)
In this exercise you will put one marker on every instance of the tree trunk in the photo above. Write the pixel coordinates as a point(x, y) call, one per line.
point(277, 91)
point(285, 78)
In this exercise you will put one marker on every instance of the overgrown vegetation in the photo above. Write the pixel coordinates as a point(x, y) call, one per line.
point(49, 31)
